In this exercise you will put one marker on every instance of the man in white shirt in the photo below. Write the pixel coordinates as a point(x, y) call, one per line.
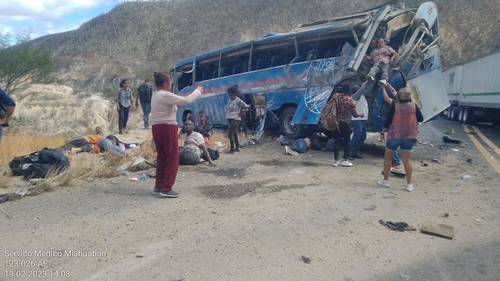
point(195, 142)
point(359, 127)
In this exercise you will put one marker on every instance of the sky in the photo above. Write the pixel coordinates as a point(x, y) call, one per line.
point(42, 17)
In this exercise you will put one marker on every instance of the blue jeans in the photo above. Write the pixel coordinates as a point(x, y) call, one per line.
point(1, 133)
point(146, 110)
point(358, 137)
point(122, 117)
point(402, 144)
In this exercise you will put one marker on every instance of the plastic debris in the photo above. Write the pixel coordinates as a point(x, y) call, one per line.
point(454, 149)
point(447, 139)
point(397, 226)
point(134, 179)
point(466, 177)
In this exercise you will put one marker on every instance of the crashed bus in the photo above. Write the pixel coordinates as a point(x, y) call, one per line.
point(289, 77)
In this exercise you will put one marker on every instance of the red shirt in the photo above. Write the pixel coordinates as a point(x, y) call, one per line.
point(346, 107)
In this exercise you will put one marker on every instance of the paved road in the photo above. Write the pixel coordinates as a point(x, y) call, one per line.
point(263, 215)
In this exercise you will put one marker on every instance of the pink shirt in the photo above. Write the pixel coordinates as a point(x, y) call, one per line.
point(382, 55)
point(164, 106)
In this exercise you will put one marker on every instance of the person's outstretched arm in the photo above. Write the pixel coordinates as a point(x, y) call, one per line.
point(387, 99)
point(180, 100)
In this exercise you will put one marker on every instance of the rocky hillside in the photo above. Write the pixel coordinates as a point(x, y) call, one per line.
point(137, 38)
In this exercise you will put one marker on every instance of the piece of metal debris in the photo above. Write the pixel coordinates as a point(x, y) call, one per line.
point(440, 230)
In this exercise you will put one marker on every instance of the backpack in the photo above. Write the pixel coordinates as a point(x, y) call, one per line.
point(328, 116)
point(38, 164)
point(145, 93)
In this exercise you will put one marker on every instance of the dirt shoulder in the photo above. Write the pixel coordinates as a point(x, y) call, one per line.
point(263, 215)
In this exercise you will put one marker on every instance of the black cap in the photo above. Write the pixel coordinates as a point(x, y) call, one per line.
point(233, 90)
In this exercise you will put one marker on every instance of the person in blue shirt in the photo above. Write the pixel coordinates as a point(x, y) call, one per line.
point(7, 106)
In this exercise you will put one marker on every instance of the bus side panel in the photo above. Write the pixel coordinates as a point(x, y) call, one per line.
point(431, 93)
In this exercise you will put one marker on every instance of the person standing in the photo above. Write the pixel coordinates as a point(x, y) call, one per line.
point(165, 132)
point(401, 126)
point(233, 117)
point(7, 107)
point(346, 109)
point(359, 128)
point(144, 93)
point(124, 102)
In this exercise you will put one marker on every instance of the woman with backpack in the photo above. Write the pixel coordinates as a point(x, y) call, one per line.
point(401, 126)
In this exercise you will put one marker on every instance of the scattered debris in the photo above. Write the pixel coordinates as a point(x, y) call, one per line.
point(466, 177)
point(424, 164)
point(134, 179)
point(445, 215)
point(397, 173)
point(397, 226)
point(290, 151)
point(435, 161)
point(454, 149)
point(451, 131)
point(305, 259)
point(479, 220)
point(405, 277)
point(139, 256)
point(447, 139)
point(4, 198)
point(441, 230)
point(469, 160)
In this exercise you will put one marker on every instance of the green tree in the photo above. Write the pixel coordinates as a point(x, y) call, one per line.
point(22, 62)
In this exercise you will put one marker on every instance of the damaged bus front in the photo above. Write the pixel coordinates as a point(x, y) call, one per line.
point(289, 77)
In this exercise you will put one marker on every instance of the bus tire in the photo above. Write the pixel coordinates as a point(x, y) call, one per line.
point(287, 127)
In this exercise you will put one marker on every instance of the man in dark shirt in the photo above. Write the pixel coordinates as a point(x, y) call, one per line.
point(7, 106)
point(144, 94)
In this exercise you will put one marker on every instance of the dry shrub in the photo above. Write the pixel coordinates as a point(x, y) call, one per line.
point(13, 145)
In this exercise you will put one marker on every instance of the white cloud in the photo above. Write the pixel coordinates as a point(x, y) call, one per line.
point(46, 10)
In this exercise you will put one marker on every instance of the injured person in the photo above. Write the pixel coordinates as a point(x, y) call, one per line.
point(96, 144)
point(381, 57)
point(195, 147)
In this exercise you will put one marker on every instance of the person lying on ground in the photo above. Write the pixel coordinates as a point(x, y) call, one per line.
point(401, 126)
point(196, 142)
point(301, 145)
point(381, 57)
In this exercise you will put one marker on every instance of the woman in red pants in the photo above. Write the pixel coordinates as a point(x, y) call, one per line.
point(165, 133)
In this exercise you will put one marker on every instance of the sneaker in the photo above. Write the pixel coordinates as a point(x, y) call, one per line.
point(370, 77)
point(156, 191)
point(409, 187)
point(237, 150)
point(345, 163)
point(384, 183)
point(170, 194)
point(336, 163)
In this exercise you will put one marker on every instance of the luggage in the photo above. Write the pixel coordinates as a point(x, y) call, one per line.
point(39, 164)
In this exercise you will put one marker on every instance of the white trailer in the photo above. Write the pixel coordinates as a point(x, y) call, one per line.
point(474, 90)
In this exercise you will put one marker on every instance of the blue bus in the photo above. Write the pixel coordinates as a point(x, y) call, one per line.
point(289, 77)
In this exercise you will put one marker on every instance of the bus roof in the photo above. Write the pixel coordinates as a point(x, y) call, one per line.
point(306, 30)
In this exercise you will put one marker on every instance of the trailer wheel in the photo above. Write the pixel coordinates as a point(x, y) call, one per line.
point(468, 115)
point(461, 115)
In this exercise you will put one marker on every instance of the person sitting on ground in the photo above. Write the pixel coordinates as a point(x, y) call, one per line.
point(381, 57)
point(204, 122)
point(195, 142)
point(401, 126)
point(7, 107)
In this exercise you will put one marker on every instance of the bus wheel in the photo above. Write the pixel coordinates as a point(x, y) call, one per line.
point(289, 129)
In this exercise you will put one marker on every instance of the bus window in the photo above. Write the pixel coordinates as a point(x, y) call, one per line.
point(234, 63)
point(184, 80)
point(271, 57)
point(206, 71)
